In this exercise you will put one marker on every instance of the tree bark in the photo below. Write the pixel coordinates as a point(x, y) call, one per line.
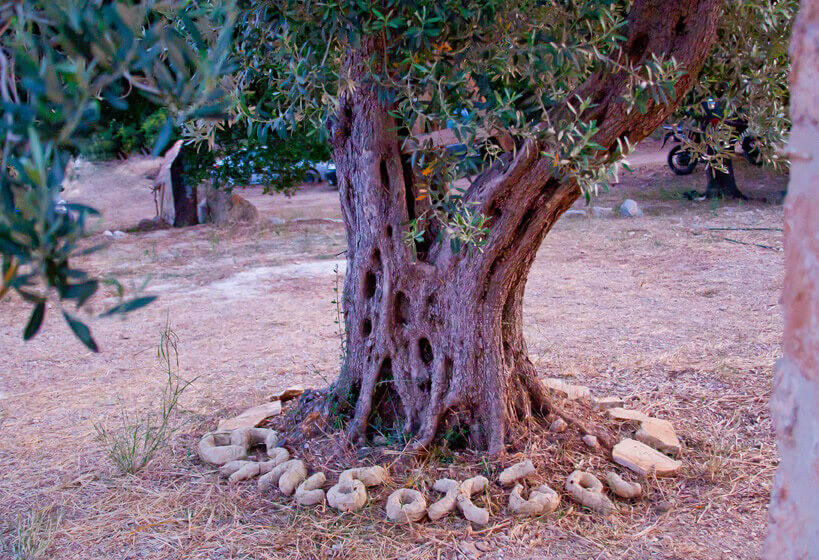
point(184, 196)
point(722, 184)
point(794, 508)
point(434, 338)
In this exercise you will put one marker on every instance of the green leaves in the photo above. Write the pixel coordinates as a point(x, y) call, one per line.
point(35, 321)
point(60, 61)
point(81, 331)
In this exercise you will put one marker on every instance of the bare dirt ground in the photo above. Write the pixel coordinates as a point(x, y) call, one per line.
point(669, 309)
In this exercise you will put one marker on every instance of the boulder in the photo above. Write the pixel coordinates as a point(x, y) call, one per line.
point(629, 209)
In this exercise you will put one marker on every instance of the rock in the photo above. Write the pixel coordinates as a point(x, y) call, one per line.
point(575, 213)
point(541, 500)
point(512, 474)
point(591, 441)
point(447, 503)
point(309, 492)
point(642, 459)
point(220, 448)
point(241, 210)
point(203, 212)
point(251, 417)
point(114, 234)
point(572, 392)
point(602, 212)
point(349, 495)
point(631, 416)
point(276, 221)
point(604, 403)
point(406, 505)
point(659, 434)
point(623, 488)
point(470, 486)
point(629, 209)
point(558, 426)
point(587, 490)
point(224, 207)
point(151, 224)
point(469, 549)
point(288, 475)
point(288, 394)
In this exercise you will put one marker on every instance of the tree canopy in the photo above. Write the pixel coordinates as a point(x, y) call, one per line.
point(486, 70)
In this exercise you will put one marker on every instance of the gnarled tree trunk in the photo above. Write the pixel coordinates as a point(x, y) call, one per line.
point(435, 337)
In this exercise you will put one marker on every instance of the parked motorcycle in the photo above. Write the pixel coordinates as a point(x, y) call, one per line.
point(683, 161)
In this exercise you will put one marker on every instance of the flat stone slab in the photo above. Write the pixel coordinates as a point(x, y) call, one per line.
point(288, 394)
point(251, 417)
point(659, 434)
point(628, 415)
point(642, 459)
point(572, 392)
point(604, 403)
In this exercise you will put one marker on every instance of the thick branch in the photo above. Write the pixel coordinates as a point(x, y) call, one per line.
point(684, 30)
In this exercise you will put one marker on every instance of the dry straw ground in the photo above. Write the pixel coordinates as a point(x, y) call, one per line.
point(667, 310)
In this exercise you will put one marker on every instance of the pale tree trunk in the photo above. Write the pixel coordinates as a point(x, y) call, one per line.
point(435, 338)
point(794, 509)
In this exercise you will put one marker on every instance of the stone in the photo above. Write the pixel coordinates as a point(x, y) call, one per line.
point(220, 448)
point(309, 492)
point(575, 213)
point(223, 207)
point(629, 209)
point(625, 414)
point(622, 487)
point(288, 394)
point(591, 441)
point(406, 505)
point(469, 549)
point(587, 490)
point(659, 434)
point(276, 221)
point(558, 426)
point(602, 212)
point(251, 417)
point(512, 474)
point(542, 499)
point(604, 403)
point(572, 392)
point(642, 459)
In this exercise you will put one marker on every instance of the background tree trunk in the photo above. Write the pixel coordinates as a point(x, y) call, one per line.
point(722, 184)
point(184, 196)
point(794, 509)
point(434, 337)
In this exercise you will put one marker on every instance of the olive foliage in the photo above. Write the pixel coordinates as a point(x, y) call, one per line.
point(484, 69)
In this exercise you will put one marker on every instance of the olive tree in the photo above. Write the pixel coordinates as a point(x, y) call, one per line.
point(436, 269)
point(461, 130)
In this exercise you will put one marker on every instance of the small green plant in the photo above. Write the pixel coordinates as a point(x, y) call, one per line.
point(135, 440)
point(339, 320)
point(34, 533)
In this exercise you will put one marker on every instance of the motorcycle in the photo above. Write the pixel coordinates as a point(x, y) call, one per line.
point(683, 161)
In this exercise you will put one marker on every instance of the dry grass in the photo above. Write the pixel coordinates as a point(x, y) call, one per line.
point(661, 310)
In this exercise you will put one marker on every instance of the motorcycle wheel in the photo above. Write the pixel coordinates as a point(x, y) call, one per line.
point(681, 162)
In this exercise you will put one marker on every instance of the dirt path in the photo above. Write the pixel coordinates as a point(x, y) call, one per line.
point(681, 317)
